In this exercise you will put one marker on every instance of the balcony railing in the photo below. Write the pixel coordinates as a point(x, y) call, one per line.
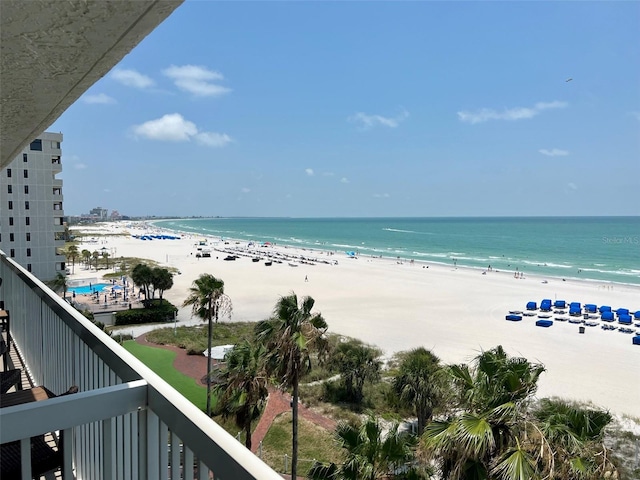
point(125, 422)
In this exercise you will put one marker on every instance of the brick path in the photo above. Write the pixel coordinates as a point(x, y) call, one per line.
point(195, 366)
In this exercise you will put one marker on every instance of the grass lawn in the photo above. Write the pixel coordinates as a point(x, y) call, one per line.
point(194, 339)
point(161, 362)
point(314, 442)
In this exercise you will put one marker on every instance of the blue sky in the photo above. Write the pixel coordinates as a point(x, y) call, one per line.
point(320, 109)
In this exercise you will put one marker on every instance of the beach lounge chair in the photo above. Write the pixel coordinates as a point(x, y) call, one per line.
point(544, 323)
point(532, 306)
point(560, 304)
point(545, 305)
point(624, 319)
point(607, 316)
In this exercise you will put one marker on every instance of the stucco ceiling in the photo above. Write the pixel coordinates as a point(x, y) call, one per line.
point(52, 51)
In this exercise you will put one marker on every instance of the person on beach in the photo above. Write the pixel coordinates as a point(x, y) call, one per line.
point(306, 279)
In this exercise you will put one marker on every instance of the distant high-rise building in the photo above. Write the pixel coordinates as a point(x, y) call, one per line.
point(99, 213)
point(31, 214)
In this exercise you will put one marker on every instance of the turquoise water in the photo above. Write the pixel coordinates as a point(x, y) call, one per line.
point(97, 287)
point(605, 249)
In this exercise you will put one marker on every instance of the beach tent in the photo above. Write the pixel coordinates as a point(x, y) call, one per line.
point(636, 340)
point(622, 311)
point(575, 308)
point(513, 318)
point(607, 316)
point(545, 305)
point(605, 308)
point(590, 308)
point(560, 304)
point(534, 306)
point(637, 315)
point(625, 319)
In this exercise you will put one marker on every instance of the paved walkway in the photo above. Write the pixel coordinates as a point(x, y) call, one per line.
point(195, 366)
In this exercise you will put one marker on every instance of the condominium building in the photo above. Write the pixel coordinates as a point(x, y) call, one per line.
point(31, 225)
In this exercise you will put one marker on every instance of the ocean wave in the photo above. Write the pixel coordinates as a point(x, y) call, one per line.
point(546, 264)
point(399, 230)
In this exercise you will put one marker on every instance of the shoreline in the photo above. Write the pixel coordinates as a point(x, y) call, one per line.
point(455, 312)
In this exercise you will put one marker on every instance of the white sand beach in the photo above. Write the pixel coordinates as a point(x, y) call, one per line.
point(398, 306)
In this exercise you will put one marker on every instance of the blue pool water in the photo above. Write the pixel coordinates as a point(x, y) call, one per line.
point(86, 289)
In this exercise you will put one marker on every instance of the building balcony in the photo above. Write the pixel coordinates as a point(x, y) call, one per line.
point(124, 421)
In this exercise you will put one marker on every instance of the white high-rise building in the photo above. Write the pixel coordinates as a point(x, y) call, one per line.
point(31, 214)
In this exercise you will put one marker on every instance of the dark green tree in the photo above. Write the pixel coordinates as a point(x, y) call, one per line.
point(421, 384)
point(162, 280)
point(357, 363)
point(208, 301)
point(290, 337)
point(241, 386)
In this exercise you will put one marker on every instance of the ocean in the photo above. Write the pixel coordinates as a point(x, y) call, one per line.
point(601, 249)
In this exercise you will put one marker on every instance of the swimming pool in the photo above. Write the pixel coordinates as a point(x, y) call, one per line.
point(95, 287)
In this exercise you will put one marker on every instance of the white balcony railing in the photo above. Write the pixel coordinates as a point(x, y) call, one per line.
point(125, 422)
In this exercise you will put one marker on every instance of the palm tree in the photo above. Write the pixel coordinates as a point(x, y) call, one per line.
point(576, 436)
point(420, 384)
point(72, 253)
point(96, 257)
point(86, 256)
point(162, 280)
point(490, 436)
point(59, 284)
point(208, 301)
point(371, 454)
point(142, 276)
point(241, 385)
point(356, 363)
point(289, 339)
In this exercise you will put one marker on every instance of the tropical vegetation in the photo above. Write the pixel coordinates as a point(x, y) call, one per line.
point(289, 338)
point(208, 302)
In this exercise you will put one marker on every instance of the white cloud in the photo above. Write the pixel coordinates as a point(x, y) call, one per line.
point(509, 114)
point(100, 98)
point(366, 122)
point(213, 139)
point(106, 190)
point(572, 186)
point(80, 166)
point(381, 195)
point(245, 190)
point(309, 171)
point(197, 80)
point(132, 78)
point(173, 127)
point(554, 152)
point(344, 180)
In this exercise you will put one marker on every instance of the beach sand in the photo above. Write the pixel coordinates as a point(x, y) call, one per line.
point(455, 312)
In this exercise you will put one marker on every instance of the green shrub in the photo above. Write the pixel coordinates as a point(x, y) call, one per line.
point(155, 313)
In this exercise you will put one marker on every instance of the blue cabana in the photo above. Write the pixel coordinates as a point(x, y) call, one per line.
point(637, 315)
point(607, 316)
point(513, 318)
point(625, 319)
point(636, 340)
point(605, 308)
point(560, 304)
point(575, 308)
point(590, 308)
point(622, 311)
point(545, 305)
point(534, 306)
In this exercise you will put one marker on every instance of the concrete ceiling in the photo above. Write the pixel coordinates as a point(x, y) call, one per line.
point(52, 51)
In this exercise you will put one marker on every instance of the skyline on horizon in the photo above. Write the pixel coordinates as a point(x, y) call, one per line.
point(416, 109)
